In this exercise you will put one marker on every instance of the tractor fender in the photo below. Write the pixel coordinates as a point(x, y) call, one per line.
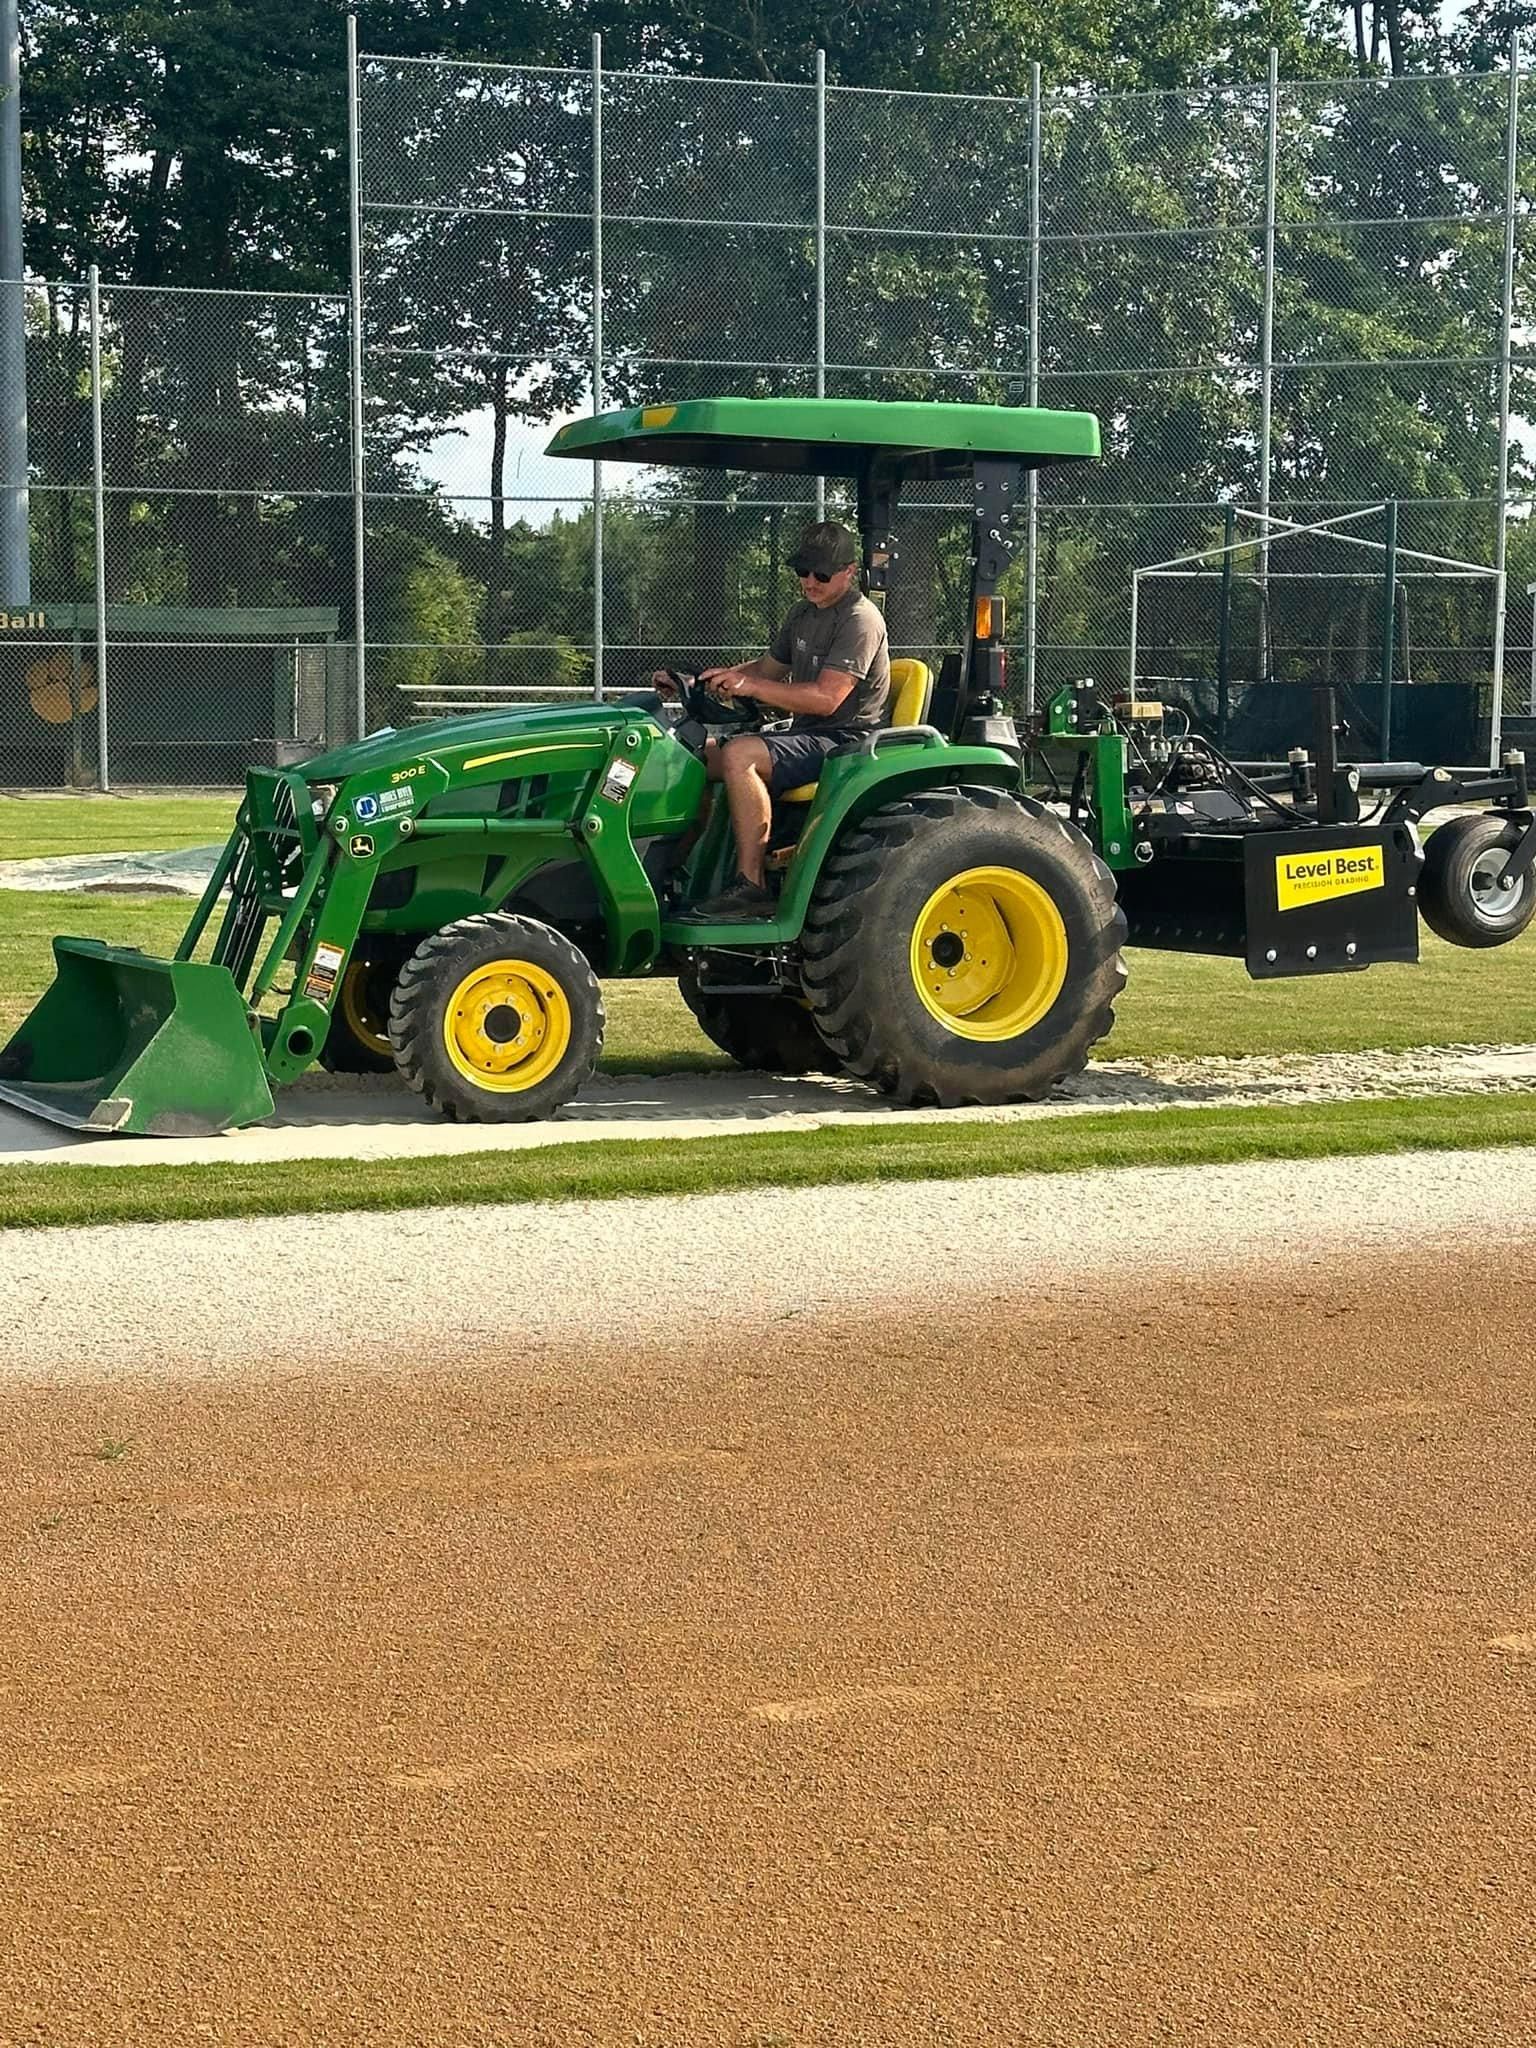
point(854, 785)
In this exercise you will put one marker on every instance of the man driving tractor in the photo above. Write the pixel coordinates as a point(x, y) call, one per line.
point(829, 666)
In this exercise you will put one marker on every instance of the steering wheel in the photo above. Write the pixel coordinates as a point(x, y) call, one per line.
point(701, 705)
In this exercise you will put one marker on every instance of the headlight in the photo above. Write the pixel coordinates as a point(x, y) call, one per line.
point(321, 796)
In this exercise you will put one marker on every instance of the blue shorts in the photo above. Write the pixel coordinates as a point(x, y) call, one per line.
point(796, 757)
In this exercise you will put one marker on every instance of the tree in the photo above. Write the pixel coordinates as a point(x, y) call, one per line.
point(204, 145)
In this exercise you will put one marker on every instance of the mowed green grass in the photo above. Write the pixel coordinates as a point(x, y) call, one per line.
point(40, 1197)
point(32, 828)
point(1175, 1005)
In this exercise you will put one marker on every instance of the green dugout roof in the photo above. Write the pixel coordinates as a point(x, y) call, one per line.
point(829, 436)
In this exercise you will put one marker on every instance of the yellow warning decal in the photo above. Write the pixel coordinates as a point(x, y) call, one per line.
point(1302, 878)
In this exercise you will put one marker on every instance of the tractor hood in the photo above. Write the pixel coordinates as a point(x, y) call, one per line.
point(453, 738)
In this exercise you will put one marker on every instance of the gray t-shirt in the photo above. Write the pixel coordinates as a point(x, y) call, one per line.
point(849, 635)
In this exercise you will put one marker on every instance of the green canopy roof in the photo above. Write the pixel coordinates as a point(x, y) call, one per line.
point(829, 436)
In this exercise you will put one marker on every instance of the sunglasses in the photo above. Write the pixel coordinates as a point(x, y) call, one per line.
point(822, 575)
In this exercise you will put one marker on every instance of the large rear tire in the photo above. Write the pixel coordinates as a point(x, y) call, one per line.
point(963, 947)
point(1459, 892)
point(497, 1019)
point(770, 1034)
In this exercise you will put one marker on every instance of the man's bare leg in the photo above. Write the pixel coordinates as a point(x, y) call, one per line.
point(743, 764)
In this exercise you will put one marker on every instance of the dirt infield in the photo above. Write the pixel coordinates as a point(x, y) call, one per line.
point(1088, 1668)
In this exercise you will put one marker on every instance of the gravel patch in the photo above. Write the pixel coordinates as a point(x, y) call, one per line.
point(325, 1116)
point(135, 1300)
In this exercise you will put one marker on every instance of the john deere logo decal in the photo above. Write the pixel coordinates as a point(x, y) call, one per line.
point(1303, 878)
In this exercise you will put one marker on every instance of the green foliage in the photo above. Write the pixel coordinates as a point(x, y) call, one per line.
point(421, 602)
point(32, 828)
point(207, 145)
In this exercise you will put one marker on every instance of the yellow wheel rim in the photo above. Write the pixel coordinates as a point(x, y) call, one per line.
point(507, 1025)
point(365, 1027)
point(989, 953)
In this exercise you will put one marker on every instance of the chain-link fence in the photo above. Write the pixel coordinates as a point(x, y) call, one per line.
point(190, 599)
point(1296, 300)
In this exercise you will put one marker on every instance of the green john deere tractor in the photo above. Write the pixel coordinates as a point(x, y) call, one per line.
point(953, 893)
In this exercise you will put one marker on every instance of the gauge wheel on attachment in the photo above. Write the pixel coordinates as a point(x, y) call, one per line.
point(497, 1019)
point(1462, 891)
point(963, 946)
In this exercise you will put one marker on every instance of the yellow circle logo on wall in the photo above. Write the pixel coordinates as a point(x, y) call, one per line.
point(50, 683)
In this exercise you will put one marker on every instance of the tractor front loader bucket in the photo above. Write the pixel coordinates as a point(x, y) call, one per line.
point(123, 1042)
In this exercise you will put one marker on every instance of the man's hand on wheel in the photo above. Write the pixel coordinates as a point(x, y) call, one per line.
point(726, 683)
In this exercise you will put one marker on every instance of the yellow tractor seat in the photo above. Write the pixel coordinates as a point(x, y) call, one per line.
point(911, 688)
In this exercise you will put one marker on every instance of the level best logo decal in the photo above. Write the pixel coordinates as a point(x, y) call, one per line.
point(1303, 878)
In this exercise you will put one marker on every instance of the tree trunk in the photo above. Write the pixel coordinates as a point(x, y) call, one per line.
point(65, 579)
point(496, 568)
point(133, 313)
point(1393, 13)
point(211, 529)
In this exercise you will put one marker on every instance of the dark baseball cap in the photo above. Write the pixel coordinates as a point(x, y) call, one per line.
point(824, 548)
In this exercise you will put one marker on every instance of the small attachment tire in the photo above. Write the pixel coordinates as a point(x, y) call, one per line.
point(358, 1041)
point(963, 947)
point(497, 1019)
point(770, 1034)
point(1459, 891)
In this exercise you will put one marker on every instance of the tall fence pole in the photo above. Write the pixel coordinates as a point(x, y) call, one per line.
point(359, 462)
point(821, 253)
point(15, 542)
point(1506, 326)
point(1135, 627)
point(1388, 626)
point(597, 362)
point(99, 503)
point(1031, 585)
point(1267, 351)
point(1224, 627)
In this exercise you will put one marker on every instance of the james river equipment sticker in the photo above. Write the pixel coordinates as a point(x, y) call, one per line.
point(384, 804)
point(1304, 878)
point(323, 970)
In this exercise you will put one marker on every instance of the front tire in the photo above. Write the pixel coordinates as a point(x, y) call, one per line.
point(497, 1019)
point(1459, 892)
point(963, 947)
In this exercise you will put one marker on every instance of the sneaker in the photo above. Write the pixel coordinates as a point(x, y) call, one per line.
point(743, 902)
